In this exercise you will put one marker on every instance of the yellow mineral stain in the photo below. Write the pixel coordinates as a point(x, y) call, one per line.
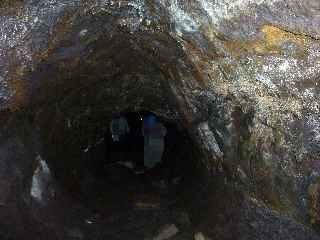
point(271, 43)
point(275, 36)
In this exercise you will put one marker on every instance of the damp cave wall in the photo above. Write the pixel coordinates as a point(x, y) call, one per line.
point(242, 76)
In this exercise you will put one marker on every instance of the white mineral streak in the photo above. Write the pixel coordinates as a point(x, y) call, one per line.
point(219, 10)
point(183, 21)
point(40, 179)
point(265, 80)
point(139, 5)
point(308, 93)
point(209, 140)
point(83, 32)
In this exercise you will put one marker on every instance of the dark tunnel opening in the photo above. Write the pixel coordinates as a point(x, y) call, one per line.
point(105, 161)
point(101, 180)
point(73, 109)
point(78, 172)
point(105, 152)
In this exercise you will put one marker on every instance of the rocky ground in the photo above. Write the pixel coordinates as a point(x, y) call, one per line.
point(124, 207)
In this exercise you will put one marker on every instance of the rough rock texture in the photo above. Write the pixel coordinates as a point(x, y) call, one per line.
point(242, 76)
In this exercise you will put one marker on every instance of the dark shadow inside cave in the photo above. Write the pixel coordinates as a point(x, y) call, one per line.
point(118, 165)
point(74, 106)
point(105, 153)
point(104, 156)
point(100, 185)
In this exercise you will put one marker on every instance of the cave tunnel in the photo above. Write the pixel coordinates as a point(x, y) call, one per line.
point(234, 83)
point(77, 164)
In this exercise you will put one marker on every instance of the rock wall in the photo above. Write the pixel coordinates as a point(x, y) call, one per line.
point(260, 69)
point(243, 76)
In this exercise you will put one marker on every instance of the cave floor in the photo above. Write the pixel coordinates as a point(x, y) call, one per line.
point(124, 207)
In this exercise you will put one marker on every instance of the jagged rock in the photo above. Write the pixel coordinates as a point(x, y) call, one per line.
point(167, 232)
point(199, 236)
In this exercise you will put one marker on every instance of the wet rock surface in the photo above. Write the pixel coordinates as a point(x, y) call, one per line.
point(241, 76)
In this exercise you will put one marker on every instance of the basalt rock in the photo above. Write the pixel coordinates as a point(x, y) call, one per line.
point(241, 76)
